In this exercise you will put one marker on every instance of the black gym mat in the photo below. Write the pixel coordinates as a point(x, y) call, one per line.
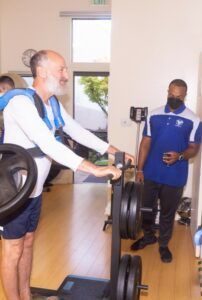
point(83, 288)
point(43, 292)
point(77, 288)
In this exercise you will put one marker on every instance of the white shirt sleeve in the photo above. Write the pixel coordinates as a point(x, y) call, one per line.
point(81, 135)
point(25, 114)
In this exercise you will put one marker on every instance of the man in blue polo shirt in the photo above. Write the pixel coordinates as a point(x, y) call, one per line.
point(171, 136)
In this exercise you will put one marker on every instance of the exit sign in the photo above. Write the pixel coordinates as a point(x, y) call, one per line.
point(99, 2)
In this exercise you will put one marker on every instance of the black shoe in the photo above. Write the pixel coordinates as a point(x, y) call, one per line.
point(143, 242)
point(166, 255)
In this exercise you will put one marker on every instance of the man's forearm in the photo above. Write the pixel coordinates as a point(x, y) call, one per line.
point(143, 152)
point(88, 167)
point(112, 150)
point(191, 151)
point(141, 160)
point(188, 153)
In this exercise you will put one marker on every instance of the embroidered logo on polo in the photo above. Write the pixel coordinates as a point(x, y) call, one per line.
point(179, 123)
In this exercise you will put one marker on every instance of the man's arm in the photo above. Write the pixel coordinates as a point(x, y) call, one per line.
point(190, 152)
point(143, 153)
point(87, 166)
point(86, 138)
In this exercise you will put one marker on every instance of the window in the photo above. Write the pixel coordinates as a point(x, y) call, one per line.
point(28, 79)
point(91, 100)
point(90, 72)
point(91, 40)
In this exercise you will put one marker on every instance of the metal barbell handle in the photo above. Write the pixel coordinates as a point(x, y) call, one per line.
point(142, 287)
point(146, 209)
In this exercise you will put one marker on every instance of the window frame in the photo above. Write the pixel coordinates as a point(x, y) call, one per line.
point(81, 67)
point(84, 68)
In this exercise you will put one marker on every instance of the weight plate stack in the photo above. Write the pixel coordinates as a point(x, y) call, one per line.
point(129, 278)
point(134, 278)
point(134, 212)
point(124, 211)
point(13, 160)
point(123, 277)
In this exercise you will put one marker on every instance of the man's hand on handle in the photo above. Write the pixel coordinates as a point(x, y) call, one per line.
point(109, 170)
point(130, 157)
point(87, 166)
point(98, 171)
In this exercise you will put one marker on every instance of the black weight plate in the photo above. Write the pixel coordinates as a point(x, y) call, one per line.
point(140, 187)
point(134, 278)
point(124, 209)
point(13, 159)
point(134, 217)
point(124, 268)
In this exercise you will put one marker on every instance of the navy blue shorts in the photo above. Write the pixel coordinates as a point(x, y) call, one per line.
point(26, 220)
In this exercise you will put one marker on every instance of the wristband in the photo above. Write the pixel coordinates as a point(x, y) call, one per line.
point(139, 171)
point(181, 156)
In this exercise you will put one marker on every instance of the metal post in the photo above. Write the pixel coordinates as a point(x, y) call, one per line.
point(116, 240)
point(137, 146)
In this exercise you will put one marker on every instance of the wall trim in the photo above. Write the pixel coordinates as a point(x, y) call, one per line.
point(86, 14)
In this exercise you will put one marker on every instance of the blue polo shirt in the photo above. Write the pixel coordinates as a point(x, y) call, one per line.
point(170, 131)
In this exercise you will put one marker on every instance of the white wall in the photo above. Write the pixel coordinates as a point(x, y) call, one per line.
point(36, 24)
point(153, 42)
point(196, 212)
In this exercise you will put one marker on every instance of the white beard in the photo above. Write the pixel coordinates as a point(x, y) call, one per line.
point(54, 87)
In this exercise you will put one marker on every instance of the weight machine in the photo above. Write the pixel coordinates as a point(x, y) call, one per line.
point(137, 115)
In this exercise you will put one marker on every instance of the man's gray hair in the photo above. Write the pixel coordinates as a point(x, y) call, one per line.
point(36, 60)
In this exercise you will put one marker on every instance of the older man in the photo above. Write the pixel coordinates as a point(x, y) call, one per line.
point(24, 127)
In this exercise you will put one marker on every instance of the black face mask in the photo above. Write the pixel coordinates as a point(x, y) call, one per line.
point(174, 103)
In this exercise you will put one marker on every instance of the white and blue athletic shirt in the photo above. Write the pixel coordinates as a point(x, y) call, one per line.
point(170, 131)
point(24, 127)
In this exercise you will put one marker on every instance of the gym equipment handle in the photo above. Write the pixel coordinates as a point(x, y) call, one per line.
point(110, 177)
point(142, 287)
point(127, 165)
point(146, 209)
point(124, 167)
point(121, 167)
